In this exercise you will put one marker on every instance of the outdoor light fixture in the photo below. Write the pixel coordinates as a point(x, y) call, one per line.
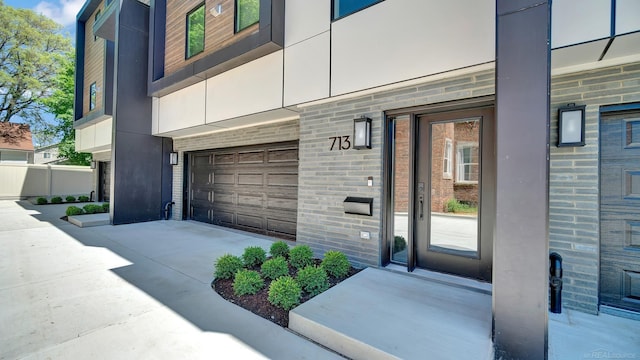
point(173, 158)
point(362, 133)
point(216, 10)
point(93, 164)
point(571, 125)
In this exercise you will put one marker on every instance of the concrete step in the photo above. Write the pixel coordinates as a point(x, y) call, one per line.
point(379, 314)
point(90, 220)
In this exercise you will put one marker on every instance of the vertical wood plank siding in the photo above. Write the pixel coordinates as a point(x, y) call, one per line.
point(219, 31)
point(93, 65)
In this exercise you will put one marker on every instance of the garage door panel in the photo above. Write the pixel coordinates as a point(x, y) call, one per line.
point(201, 195)
point(253, 188)
point(283, 155)
point(200, 160)
point(251, 157)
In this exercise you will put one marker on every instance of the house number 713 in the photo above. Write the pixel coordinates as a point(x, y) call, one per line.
point(340, 143)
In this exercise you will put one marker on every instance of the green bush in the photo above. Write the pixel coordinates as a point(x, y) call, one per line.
point(83, 198)
point(399, 243)
point(254, 256)
point(300, 256)
point(455, 206)
point(275, 268)
point(105, 207)
point(285, 293)
point(313, 280)
point(92, 208)
point(74, 210)
point(70, 199)
point(279, 248)
point(227, 266)
point(247, 282)
point(336, 264)
point(41, 201)
point(56, 200)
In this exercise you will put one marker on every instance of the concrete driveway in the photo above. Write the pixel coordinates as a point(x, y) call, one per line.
point(139, 291)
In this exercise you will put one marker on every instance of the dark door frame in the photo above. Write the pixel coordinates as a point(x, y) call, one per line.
point(413, 113)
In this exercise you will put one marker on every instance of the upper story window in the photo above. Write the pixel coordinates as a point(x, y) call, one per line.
point(467, 163)
point(95, 19)
point(247, 13)
point(92, 96)
point(195, 31)
point(343, 8)
point(47, 155)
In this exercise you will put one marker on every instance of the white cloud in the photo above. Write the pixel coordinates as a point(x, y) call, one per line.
point(61, 11)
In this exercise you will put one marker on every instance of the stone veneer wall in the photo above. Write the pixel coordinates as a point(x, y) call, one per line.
point(574, 178)
point(260, 134)
point(327, 177)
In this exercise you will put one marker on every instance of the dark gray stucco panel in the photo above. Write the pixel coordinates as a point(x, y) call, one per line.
point(139, 171)
point(521, 251)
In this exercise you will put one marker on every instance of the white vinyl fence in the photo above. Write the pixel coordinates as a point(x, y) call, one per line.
point(21, 181)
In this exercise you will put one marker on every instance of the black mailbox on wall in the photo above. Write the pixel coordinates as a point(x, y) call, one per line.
point(358, 205)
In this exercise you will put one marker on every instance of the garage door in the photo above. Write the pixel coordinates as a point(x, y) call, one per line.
point(252, 188)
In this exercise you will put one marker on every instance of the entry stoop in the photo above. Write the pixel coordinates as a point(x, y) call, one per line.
point(90, 220)
point(380, 314)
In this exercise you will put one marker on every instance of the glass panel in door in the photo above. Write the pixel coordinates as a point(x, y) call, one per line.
point(401, 167)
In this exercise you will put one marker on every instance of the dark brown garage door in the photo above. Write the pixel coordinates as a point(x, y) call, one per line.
point(252, 188)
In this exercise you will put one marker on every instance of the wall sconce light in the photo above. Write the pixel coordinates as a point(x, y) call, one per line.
point(92, 164)
point(173, 158)
point(362, 133)
point(216, 10)
point(571, 125)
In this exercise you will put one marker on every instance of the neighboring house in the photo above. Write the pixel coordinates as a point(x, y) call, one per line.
point(48, 155)
point(16, 145)
point(259, 100)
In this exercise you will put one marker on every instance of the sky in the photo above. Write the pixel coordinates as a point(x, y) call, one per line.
point(61, 11)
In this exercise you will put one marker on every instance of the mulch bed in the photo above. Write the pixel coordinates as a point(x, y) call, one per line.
point(258, 303)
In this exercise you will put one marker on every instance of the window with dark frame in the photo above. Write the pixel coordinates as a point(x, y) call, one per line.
point(342, 8)
point(195, 32)
point(247, 13)
point(92, 96)
point(95, 19)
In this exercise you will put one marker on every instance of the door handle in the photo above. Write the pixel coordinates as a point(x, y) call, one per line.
point(421, 210)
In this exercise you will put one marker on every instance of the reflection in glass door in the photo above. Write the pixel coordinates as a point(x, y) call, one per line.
point(400, 194)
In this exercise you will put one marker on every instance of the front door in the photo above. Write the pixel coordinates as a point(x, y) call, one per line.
point(620, 211)
point(455, 187)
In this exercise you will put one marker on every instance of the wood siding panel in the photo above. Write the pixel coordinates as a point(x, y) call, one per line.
point(219, 31)
point(93, 65)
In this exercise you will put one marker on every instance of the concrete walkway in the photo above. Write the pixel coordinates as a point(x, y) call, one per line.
point(143, 291)
point(138, 291)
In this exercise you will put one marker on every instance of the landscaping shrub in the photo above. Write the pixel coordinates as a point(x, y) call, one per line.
point(254, 256)
point(41, 201)
point(105, 207)
point(92, 208)
point(279, 248)
point(275, 268)
point(285, 293)
point(300, 256)
point(455, 206)
point(83, 198)
point(56, 200)
point(227, 266)
point(74, 210)
point(399, 243)
point(313, 280)
point(247, 282)
point(70, 199)
point(336, 264)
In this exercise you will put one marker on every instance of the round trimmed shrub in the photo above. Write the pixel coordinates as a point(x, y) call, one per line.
point(56, 200)
point(92, 208)
point(247, 282)
point(105, 207)
point(227, 266)
point(336, 264)
point(279, 248)
point(74, 210)
point(41, 201)
point(313, 280)
point(285, 292)
point(70, 199)
point(300, 256)
point(275, 268)
point(83, 198)
point(254, 256)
